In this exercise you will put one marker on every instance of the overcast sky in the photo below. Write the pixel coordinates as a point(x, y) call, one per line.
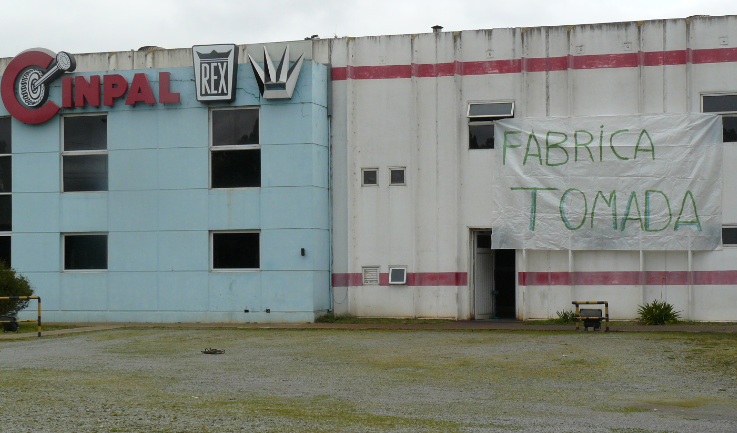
point(80, 26)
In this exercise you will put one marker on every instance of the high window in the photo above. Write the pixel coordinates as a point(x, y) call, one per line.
point(726, 105)
point(397, 275)
point(235, 152)
point(481, 119)
point(85, 252)
point(6, 187)
point(396, 176)
point(729, 236)
point(369, 177)
point(235, 250)
point(84, 155)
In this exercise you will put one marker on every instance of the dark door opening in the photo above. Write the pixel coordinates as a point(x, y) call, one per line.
point(505, 274)
point(494, 276)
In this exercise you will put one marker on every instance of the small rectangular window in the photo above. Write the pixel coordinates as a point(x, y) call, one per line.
point(727, 106)
point(6, 173)
point(397, 275)
point(720, 103)
point(236, 168)
point(6, 139)
point(729, 125)
point(235, 127)
point(371, 276)
point(235, 152)
point(370, 177)
point(85, 133)
point(729, 236)
point(396, 176)
point(85, 252)
point(5, 250)
point(490, 110)
point(84, 155)
point(481, 119)
point(235, 250)
point(6, 213)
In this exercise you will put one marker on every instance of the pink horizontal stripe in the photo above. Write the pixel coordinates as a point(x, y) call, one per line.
point(627, 278)
point(539, 64)
point(416, 279)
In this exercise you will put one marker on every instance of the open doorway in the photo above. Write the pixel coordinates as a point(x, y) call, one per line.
point(494, 275)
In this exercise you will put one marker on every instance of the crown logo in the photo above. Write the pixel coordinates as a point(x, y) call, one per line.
point(214, 55)
point(277, 83)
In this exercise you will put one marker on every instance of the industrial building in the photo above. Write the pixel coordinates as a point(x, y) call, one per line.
point(370, 176)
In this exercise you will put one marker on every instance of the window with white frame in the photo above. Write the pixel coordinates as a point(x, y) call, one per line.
point(729, 236)
point(236, 250)
point(397, 275)
point(85, 251)
point(481, 119)
point(369, 177)
point(84, 153)
point(235, 150)
point(726, 105)
point(396, 176)
point(6, 188)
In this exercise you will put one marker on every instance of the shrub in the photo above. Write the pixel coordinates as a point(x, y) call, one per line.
point(657, 313)
point(565, 317)
point(13, 284)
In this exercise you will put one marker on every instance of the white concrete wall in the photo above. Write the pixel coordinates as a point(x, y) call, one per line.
point(419, 122)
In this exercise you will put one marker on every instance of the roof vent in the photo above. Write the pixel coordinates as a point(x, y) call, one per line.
point(437, 29)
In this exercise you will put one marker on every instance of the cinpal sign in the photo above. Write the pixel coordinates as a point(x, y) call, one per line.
point(25, 83)
point(25, 87)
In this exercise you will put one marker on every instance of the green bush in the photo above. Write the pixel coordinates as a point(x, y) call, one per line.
point(565, 317)
point(657, 313)
point(13, 284)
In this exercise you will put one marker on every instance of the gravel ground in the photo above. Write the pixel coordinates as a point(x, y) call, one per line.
point(156, 380)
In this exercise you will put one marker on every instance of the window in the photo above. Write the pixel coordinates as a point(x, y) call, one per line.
point(235, 250)
point(235, 152)
point(726, 105)
point(397, 275)
point(729, 236)
point(396, 176)
point(481, 118)
point(371, 276)
point(85, 252)
point(369, 177)
point(6, 187)
point(84, 158)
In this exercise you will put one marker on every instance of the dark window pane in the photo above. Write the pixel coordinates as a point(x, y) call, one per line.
point(6, 213)
point(85, 133)
point(729, 235)
point(397, 275)
point(5, 250)
point(483, 241)
point(230, 127)
point(481, 136)
point(236, 168)
point(716, 104)
point(397, 177)
point(85, 173)
point(85, 252)
point(235, 251)
point(6, 141)
point(6, 173)
point(370, 177)
point(730, 129)
point(482, 110)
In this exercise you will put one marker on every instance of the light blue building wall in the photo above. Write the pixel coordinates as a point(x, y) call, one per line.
point(159, 210)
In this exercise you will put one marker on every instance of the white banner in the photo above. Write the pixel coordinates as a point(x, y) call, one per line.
point(641, 182)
